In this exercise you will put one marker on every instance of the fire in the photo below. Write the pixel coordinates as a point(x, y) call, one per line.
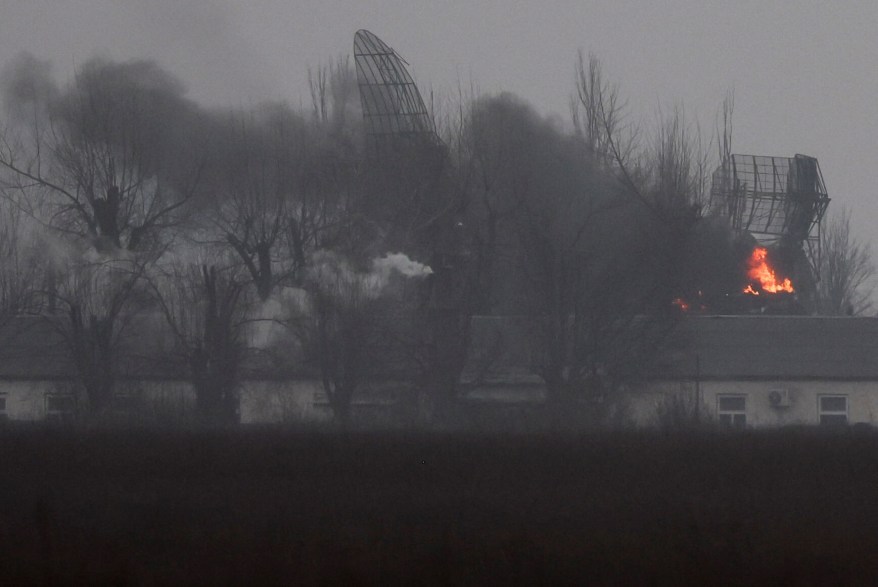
point(763, 275)
point(685, 305)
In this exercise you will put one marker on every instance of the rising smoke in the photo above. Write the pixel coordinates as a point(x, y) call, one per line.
point(331, 275)
point(334, 275)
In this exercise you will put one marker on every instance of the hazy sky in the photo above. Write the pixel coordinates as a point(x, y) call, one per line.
point(803, 72)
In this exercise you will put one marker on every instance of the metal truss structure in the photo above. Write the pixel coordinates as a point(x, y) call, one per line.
point(778, 200)
point(392, 105)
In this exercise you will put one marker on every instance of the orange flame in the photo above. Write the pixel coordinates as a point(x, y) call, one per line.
point(762, 274)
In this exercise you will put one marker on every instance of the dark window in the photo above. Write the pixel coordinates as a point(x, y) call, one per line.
point(732, 403)
point(833, 410)
point(834, 404)
point(733, 420)
point(833, 420)
point(732, 410)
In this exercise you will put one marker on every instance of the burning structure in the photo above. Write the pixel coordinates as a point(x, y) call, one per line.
point(778, 200)
point(778, 204)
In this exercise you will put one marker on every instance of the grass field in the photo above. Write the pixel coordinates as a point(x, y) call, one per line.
point(273, 506)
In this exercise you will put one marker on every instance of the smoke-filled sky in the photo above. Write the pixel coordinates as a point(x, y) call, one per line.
point(802, 71)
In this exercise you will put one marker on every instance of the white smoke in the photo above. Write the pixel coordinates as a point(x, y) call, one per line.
point(334, 274)
point(268, 327)
point(401, 263)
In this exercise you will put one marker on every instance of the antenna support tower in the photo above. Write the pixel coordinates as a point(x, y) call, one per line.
point(779, 200)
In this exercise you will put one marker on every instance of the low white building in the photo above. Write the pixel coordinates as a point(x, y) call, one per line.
point(764, 371)
point(38, 380)
point(742, 371)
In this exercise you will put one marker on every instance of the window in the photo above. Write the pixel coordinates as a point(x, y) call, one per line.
point(732, 410)
point(59, 407)
point(833, 410)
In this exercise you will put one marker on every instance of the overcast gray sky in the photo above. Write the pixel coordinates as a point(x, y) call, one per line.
point(803, 72)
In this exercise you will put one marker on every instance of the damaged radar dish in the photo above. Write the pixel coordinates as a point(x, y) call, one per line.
point(393, 109)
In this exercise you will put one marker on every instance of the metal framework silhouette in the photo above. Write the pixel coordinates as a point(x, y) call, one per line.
point(778, 200)
point(393, 108)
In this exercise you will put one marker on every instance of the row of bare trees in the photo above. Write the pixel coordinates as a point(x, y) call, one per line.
point(132, 210)
point(149, 206)
point(590, 233)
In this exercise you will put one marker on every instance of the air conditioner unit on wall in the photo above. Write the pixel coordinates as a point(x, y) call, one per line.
point(779, 398)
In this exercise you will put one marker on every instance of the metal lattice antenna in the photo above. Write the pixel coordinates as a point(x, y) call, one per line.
point(392, 105)
point(779, 200)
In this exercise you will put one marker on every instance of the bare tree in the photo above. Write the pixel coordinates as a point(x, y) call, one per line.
point(105, 167)
point(95, 299)
point(21, 264)
point(600, 118)
point(346, 325)
point(401, 198)
point(486, 166)
point(668, 177)
point(326, 211)
point(107, 156)
point(567, 247)
point(846, 270)
point(725, 127)
point(206, 308)
point(259, 208)
point(284, 187)
point(598, 111)
point(600, 224)
point(333, 87)
point(673, 192)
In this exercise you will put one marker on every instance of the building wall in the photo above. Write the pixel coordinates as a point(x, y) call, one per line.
point(283, 401)
point(26, 400)
point(160, 400)
point(304, 400)
point(861, 403)
point(260, 401)
point(29, 400)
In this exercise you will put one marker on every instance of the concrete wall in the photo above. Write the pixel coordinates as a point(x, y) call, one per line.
point(27, 399)
point(260, 401)
point(162, 400)
point(645, 407)
point(283, 401)
point(304, 400)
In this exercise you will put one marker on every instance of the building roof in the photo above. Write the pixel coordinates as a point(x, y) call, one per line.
point(773, 347)
point(35, 348)
point(707, 347)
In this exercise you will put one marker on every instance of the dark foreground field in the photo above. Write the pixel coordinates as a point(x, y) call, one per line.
point(248, 507)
